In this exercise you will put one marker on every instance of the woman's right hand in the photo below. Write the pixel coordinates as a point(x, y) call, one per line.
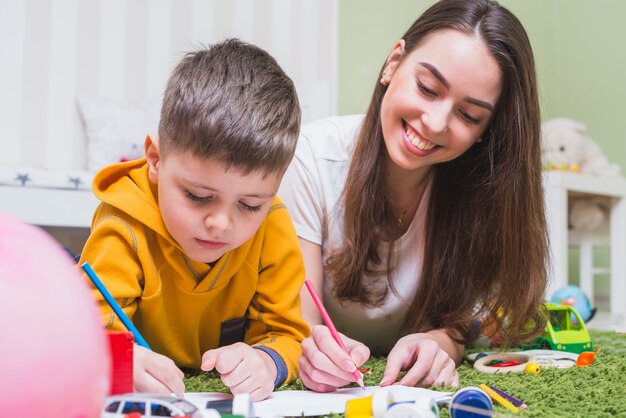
point(155, 373)
point(324, 366)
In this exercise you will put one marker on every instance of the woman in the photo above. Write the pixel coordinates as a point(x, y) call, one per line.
point(426, 213)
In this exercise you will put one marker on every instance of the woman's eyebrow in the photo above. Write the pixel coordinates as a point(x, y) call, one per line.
point(435, 72)
point(480, 103)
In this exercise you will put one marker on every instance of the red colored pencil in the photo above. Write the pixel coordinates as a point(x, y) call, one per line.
point(333, 331)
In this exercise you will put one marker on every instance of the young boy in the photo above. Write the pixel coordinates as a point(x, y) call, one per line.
point(192, 241)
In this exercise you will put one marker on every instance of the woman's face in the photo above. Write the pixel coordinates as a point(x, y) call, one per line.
point(439, 100)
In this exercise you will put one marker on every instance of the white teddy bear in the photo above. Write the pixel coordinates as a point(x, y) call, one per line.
point(567, 146)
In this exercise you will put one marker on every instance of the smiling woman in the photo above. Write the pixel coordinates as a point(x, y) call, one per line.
point(426, 214)
point(439, 99)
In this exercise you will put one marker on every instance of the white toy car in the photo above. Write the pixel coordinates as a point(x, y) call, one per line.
point(146, 405)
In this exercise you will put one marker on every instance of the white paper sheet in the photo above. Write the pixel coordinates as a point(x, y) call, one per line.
point(291, 403)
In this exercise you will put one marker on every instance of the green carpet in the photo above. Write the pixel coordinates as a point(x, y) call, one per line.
point(598, 390)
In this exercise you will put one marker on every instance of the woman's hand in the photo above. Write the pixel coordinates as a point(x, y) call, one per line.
point(426, 362)
point(243, 369)
point(324, 366)
point(155, 373)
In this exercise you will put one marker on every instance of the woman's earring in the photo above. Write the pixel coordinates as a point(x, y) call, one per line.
point(480, 139)
point(384, 80)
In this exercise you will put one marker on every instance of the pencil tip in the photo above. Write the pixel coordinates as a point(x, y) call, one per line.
point(360, 382)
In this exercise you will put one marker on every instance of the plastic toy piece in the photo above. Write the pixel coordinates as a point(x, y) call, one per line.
point(505, 363)
point(481, 355)
point(421, 408)
point(121, 348)
point(502, 363)
point(585, 358)
point(239, 405)
point(374, 406)
point(565, 331)
point(532, 368)
point(470, 402)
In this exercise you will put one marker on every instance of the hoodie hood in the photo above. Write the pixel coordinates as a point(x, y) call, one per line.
point(126, 186)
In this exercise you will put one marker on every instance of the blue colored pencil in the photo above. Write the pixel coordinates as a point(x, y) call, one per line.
point(114, 305)
point(511, 398)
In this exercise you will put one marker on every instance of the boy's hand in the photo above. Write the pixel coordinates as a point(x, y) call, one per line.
point(324, 366)
point(155, 373)
point(243, 369)
point(427, 363)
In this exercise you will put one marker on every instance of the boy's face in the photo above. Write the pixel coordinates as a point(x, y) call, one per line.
point(207, 209)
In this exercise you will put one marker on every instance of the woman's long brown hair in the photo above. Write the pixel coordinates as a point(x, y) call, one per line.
point(486, 245)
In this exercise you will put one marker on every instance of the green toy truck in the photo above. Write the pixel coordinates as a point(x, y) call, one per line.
point(565, 331)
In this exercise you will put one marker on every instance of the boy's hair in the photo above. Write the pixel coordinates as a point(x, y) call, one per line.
point(232, 102)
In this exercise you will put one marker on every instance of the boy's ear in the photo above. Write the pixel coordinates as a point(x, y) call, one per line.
point(393, 60)
point(153, 156)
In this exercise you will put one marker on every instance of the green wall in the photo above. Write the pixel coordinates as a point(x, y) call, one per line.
point(579, 45)
point(580, 53)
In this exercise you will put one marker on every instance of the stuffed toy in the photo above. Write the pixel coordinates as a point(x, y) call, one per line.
point(567, 146)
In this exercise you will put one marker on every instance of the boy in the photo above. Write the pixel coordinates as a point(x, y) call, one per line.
point(193, 242)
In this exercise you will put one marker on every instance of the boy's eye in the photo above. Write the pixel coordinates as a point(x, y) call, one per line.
point(426, 90)
point(250, 208)
point(195, 198)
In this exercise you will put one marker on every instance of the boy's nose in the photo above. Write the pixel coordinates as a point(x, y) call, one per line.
point(218, 220)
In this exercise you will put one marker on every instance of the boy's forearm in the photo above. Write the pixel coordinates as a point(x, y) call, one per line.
point(447, 343)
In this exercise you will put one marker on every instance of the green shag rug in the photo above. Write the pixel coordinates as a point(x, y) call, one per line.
point(598, 390)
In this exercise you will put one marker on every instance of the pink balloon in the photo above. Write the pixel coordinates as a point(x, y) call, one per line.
point(54, 356)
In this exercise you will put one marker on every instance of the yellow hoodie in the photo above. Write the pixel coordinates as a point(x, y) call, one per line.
point(184, 308)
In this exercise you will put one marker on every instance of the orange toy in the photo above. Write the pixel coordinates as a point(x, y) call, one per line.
point(585, 358)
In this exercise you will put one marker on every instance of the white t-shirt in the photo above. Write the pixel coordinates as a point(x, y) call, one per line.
point(311, 190)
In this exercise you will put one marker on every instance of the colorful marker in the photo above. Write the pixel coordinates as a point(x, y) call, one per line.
point(331, 327)
point(511, 398)
point(114, 305)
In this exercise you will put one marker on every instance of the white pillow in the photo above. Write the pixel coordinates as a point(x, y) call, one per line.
point(116, 129)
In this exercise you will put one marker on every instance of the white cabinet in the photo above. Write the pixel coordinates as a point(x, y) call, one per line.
point(558, 187)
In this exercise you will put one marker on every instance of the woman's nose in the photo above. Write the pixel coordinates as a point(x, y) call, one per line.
point(437, 118)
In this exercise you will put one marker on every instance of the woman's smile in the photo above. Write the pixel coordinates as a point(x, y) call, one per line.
point(416, 143)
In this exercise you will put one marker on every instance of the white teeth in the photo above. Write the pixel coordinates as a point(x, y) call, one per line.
point(419, 143)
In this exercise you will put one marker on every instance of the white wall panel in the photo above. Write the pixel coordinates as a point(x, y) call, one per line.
point(111, 82)
point(243, 19)
point(203, 28)
point(12, 18)
point(58, 149)
point(282, 35)
point(35, 82)
point(158, 64)
point(125, 49)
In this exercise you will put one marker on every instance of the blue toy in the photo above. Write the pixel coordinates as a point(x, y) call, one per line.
point(573, 296)
point(470, 402)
